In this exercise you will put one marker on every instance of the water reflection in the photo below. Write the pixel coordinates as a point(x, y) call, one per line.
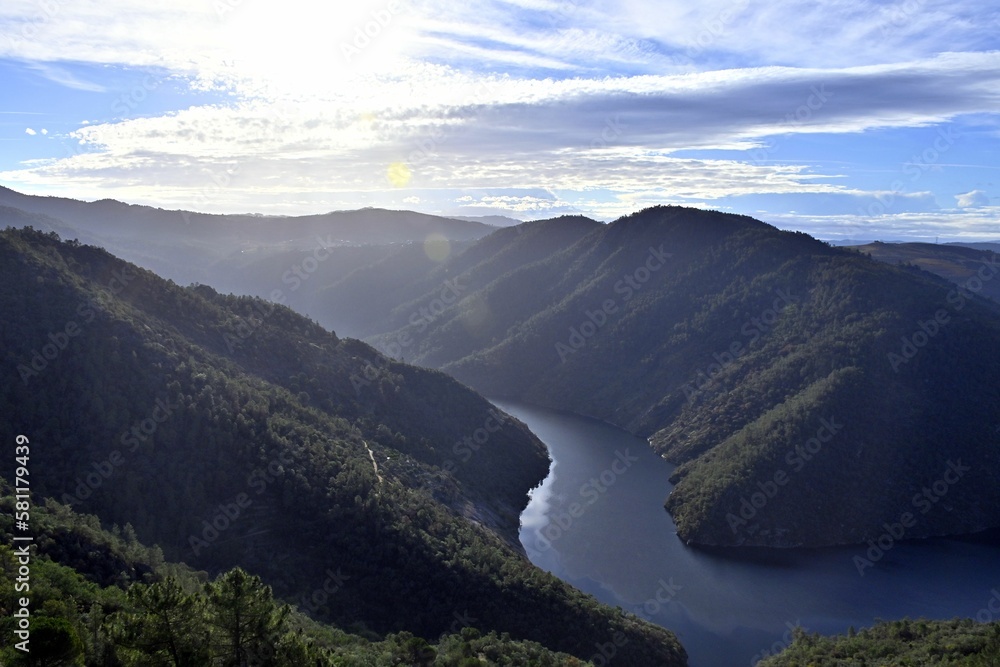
point(598, 523)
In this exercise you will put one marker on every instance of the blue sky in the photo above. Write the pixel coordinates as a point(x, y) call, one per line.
point(864, 120)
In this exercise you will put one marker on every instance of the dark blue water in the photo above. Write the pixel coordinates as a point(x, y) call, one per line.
point(598, 523)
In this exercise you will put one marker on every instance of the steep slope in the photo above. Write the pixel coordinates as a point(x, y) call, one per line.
point(809, 394)
point(100, 597)
point(412, 288)
point(231, 431)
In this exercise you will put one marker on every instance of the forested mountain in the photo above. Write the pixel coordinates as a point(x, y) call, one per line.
point(810, 394)
point(231, 431)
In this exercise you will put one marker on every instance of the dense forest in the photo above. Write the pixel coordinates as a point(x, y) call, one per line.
point(955, 643)
point(809, 394)
point(231, 431)
point(103, 598)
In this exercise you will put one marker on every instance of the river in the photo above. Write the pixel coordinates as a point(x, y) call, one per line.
point(598, 523)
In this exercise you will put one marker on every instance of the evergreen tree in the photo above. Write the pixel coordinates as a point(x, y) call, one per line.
point(247, 621)
point(167, 626)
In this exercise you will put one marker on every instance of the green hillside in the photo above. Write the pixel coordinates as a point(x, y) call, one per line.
point(808, 393)
point(229, 431)
point(104, 598)
point(956, 643)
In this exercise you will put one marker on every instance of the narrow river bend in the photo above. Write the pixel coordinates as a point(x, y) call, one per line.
point(598, 523)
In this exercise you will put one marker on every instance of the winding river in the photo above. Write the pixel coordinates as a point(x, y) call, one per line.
point(598, 523)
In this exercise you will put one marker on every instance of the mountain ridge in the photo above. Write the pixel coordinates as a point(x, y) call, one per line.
point(728, 354)
point(277, 445)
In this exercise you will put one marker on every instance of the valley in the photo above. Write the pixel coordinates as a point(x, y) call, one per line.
point(507, 333)
point(779, 376)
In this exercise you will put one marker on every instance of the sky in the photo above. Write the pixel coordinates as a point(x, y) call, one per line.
point(843, 119)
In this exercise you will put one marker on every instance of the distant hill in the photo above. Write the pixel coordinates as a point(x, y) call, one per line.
point(959, 263)
point(492, 220)
point(993, 246)
point(188, 247)
point(232, 431)
point(732, 346)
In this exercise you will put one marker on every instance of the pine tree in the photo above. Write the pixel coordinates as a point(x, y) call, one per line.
point(166, 625)
point(247, 620)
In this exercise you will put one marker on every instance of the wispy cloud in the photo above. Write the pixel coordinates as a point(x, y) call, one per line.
point(531, 105)
point(63, 77)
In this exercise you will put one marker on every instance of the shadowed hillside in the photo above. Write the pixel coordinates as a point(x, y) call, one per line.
point(230, 431)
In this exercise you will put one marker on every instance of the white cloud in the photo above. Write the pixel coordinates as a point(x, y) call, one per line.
point(591, 101)
point(458, 130)
point(973, 199)
point(30, 131)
